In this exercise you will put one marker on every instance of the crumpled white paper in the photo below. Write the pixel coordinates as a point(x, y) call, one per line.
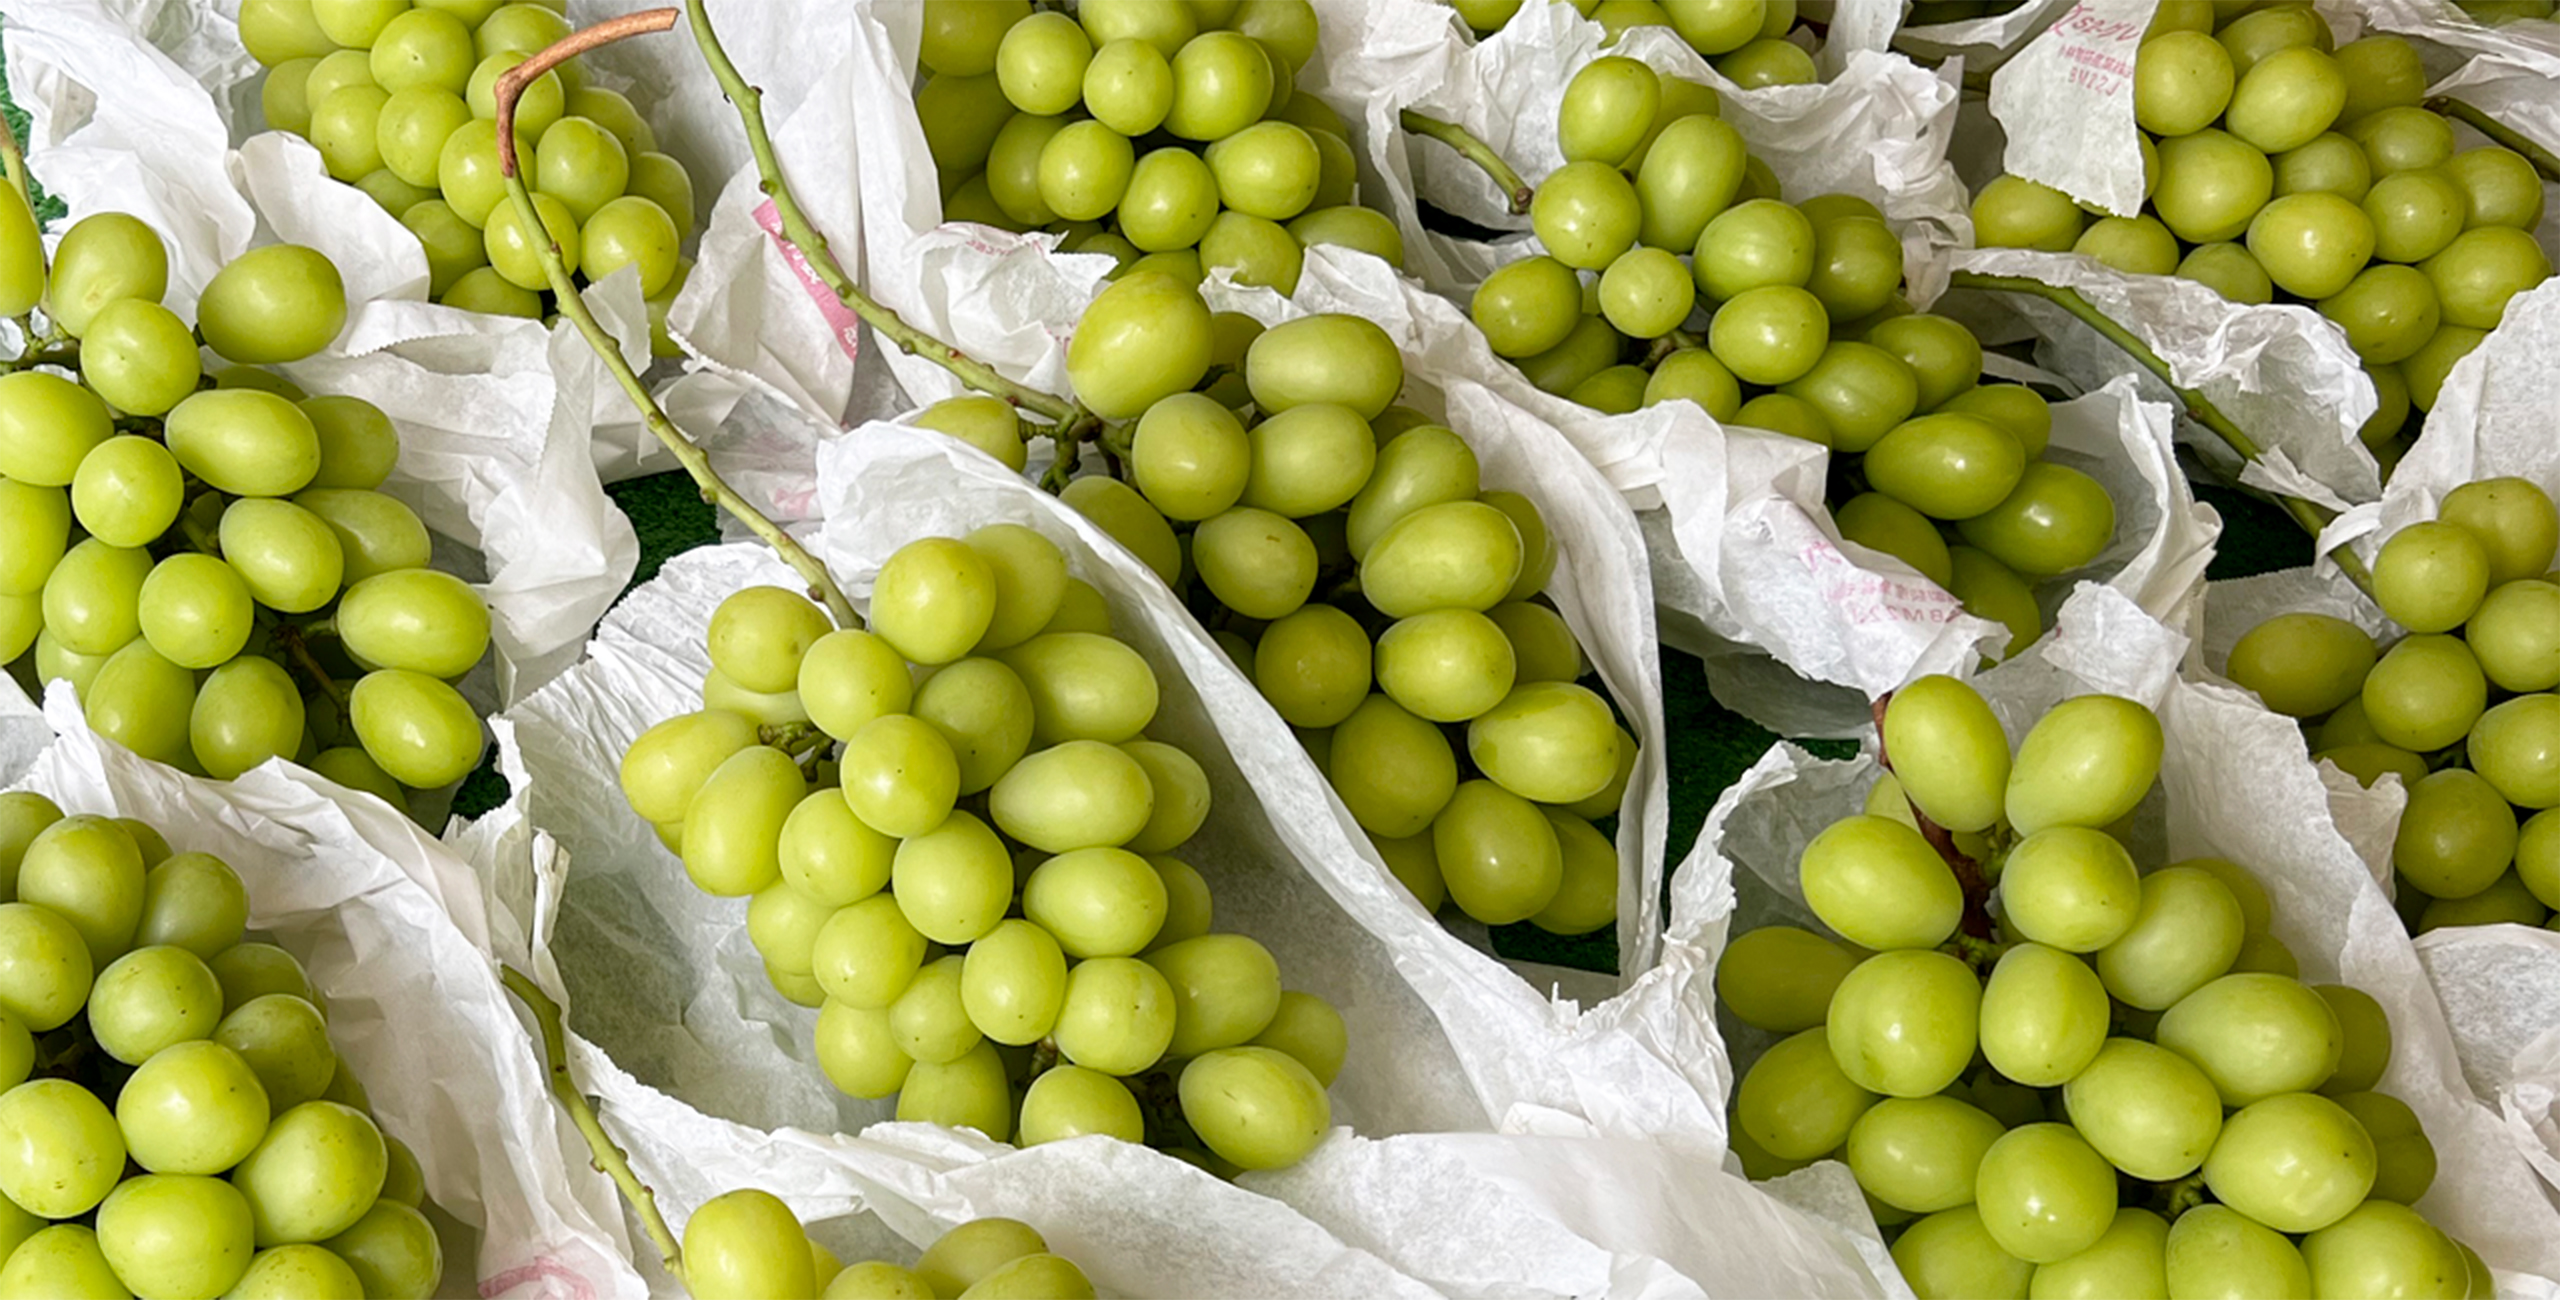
point(393, 929)
point(1878, 128)
point(2235, 782)
point(2500, 986)
point(1983, 43)
point(1445, 1040)
point(139, 108)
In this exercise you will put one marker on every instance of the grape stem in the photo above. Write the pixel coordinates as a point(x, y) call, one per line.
point(803, 236)
point(1475, 151)
point(2504, 135)
point(609, 1158)
point(822, 585)
point(66, 358)
point(2310, 514)
point(1968, 873)
point(289, 638)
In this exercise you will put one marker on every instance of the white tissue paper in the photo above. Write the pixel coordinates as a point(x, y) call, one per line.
point(2500, 986)
point(2236, 783)
point(394, 930)
point(138, 108)
point(1983, 43)
point(684, 1024)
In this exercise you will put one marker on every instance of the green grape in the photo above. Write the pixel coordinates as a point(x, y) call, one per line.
point(47, 425)
point(60, 1151)
point(1222, 82)
point(1070, 1101)
point(1084, 170)
point(2215, 1250)
point(351, 767)
point(1554, 742)
point(1646, 293)
point(669, 762)
point(746, 1244)
point(968, 1253)
point(393, 1250)
point(1286, 28)
point(858, 1052)
point(1944, 356)
point(986, 423)
point(2365, 1035)
point(2057, 520)
point(2186, 932)
point(962, 116)
point(2404, 1160)
point(270, 305)
point(759, 637)
point(288, 557)
point(2512, 519)
point(966, 1093)
point(1097, 902)
point(1169, 201)
point(614, 112)
point(1255, 1107)
point(45, 967)
point(1225, 987)
point(1029, 577)
point(422, 48)
point(63, 1260)
point(1779, 978)
point(1394, 771)
point(22, 269)
point(1128, 86)
point(2383, 71)
point(1753, 244)
point(2182, 82)
point(1903, 1022)
point(1498, 855)
point(2387, 311)
point(284, 1041)
point(663, 182)
point(2481, 269)
point(1337, 359)
point(142, 701)
point(2295, 1162)
point(2402, 138)
point(1951, 1254)
point(2145, 1108)
point(2254, 1036)
point(2087, 762)
point(1538, 550)
point(358, 445)
point(2133, 245)
point(825, 853)
point(420, 730)
point(2329, 163)
point(21, 624)
point(347, 129)
point(1117, 509)
point(2303, 665)
point(515, 256)
point(783, 924)
point(467, 171)
point(2391, 405)
point(520, 28)
point(1591, 347)
point(103, 257)
point(2502, 188)
point(2231, 271)
point(1181, 796)
point(1187, 903)
point(38, 532)
point(2415, 215)
point(1308, 459)
point(1313, 665)
point(1447, 665)
point(335, 71)
point(2044, 1194)
point(1077, 795)
point(1947, 466)
point(246, 712)
point(1879, 884)
point(91, 601)
point(277, 31)
point(1527, 306)
point(194, 1108)
point(2125, 1262)
point(2287, 98)
point(1691, 170)
point(2311, 245)
point(867, 953)
point(1919, 1153)
point(933, 601)
point(1117, 1016)
point(87, 871)
point(2424, 693)
point(1770, 334)
point(1768, 62)
point(250, 970)
point(2211, 185)
point(1267, 170)
point(1607, 110)
point(1424, 466)
point(984, 712)
point(961, 37)
point(1696, 375)
point(2071, 888)
point(1337, 181)
point(139, 356)
point(1254, 562)
point(422, 620)
point(2014, 212)
point(929, 1020)
point(194, 901)
point(169, 1234)
point(1586, 214)
point(2383, 1248)
point(1795, 1102)
point(2044, 1015)
point(900, 776)
point(245, 442)
point(2255, 36)
point(1165, 24)
point(150, 999)
point(1144, 338)
point(2427, 368)
point(1857, 265)
point(2510, 747)
point(631, 231)
point(375, 532)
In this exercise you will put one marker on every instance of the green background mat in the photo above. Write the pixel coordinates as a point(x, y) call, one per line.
point(1710, 745)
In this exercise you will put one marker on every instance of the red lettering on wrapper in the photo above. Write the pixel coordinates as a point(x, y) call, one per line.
point(1867, 597)
point(840, 318)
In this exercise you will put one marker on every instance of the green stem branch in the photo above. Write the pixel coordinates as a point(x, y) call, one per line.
point(2311, 515)
point(822, 585)
point(2499, 132)
point(800, 234)
point(1475, 151)
point(609, 1158)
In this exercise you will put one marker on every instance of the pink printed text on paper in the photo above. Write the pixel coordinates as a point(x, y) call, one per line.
point(840, 318)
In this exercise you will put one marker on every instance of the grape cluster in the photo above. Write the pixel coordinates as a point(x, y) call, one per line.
point(169, 541)
point(1342, 550)
point(2277, 168)
point(175, 1123)
point(1745, 40)
point(2137, 1098)
point(400, 99)
point(747, 1245)
point(978, 892)
point(1167, 135)
point(1807, 322)
point(2461, 710)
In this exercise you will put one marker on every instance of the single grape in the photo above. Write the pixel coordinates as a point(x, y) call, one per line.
point(2213, 1248)
point(2425, 692)
point(2186, 932)
point(274, 304)
point(1879, 884)
point(2295, 1162)
point(2087, 762)
point(1951, 1254)
point(746, 1244)
point(2044, 1015)
point(126, 493)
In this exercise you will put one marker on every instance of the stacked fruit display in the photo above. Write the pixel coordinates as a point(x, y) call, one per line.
point(1807, 325)
point(176, 1123)
point(170, 542)
point(2279, 169)
point(747, 1245)
point(2119, 1088)
point(400, 99)
point(1343, 550)
point(1169, 136)
point(1746, 40)
point(977, 889)
point(2477, 843)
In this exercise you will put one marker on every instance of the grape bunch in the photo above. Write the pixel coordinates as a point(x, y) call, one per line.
point(1169, 135)
point(400, 99)
point(2280, 169)
point(175, 1124)
point(2462, 710)
point(978, 890)
point(1746, 41)
point(2123, 1090)
point(1807, 323)
point(170, 541)
point(747, 1245)
point(1343, 552)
